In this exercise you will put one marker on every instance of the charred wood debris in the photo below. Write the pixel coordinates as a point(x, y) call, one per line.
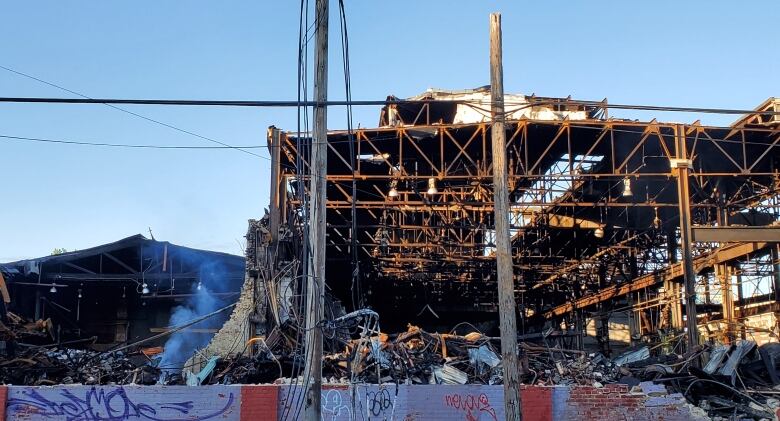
point(736, 381)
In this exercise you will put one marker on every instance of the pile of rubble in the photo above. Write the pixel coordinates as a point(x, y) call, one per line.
point(48, 366)
point(420, 357)
point(416, 357)
point(14, 328)
point(737, 381)
point(29, 357)
point(740, 380)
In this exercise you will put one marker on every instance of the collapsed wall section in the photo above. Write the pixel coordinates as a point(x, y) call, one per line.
point(233, 336)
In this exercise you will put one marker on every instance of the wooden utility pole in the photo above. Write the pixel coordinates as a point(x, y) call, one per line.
point(681, 167)
point(315, 282)
point(506, 286)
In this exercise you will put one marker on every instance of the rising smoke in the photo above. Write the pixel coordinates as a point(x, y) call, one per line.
point(183, 344)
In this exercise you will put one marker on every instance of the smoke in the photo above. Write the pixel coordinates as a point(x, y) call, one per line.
point(182, 344)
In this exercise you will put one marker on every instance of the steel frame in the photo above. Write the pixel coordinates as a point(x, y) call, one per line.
point(562, 170)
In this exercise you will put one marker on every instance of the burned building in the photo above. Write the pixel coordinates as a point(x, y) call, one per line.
point(595, 215)
point(125, 291)
point(642, 251)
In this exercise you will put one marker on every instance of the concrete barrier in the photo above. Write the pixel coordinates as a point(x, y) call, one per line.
point(339, 402)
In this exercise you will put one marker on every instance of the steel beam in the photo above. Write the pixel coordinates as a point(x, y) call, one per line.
point(736, 234)
point(674, 271)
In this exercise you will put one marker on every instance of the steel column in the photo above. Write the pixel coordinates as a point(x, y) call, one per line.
point(681, 168)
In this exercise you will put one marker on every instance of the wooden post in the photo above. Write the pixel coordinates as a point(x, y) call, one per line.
point(315, 291)
point(681, 166)
point(506, 287)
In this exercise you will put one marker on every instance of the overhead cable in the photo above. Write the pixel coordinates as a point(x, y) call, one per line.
point(122, 145)
point(308, 103)
point(161, 123)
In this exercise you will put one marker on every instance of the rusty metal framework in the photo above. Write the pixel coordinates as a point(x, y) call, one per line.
point(594, 206)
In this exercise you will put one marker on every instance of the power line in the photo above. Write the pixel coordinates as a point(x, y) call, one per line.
point(122, 145)
point(308, 103)
point(161, 123)
point(348, 102)
point(195, 147)
point(220, 103)
point(297, 397)
point(356, 289)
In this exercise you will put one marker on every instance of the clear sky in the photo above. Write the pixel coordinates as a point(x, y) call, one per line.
point(688, 53)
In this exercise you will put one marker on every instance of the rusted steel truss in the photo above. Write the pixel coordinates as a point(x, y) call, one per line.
point(593, 204)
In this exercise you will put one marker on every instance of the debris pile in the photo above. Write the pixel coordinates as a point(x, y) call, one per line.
point(731, 381)
point(420, 357)
point(416, 357)
point(737, 381)
point(556, 366)
point(42, 366)
point(16, 328)
point(740, 380)
point(239, 369)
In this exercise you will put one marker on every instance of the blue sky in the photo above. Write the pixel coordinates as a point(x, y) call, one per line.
point(693, 53)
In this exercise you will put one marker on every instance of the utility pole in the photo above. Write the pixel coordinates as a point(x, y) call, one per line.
point(681, 167)
point(315, 282)
point(506, 286)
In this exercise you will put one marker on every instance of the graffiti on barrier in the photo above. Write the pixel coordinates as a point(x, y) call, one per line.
point(357, 403)
point(380, 404)
point(473, 406)
point(104, 403)
point(335, 405)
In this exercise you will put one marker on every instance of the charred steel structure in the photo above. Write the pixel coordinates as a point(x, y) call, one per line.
point(595, 216)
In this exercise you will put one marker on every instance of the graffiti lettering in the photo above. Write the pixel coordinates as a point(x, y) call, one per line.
point(473, 406)
point(357, 403)
point(105, 403)
point(335, 406)
point(378, 402)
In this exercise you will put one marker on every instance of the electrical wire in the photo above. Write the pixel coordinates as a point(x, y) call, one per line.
point(120, 145)
point(357, 294)
point(161, 123)
point(223, 103)
point(296, 398)
point(287, 103)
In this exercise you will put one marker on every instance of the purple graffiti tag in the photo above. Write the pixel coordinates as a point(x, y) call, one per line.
point(104, 404)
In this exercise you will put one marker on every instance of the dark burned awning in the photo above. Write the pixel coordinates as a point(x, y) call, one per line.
point(133, 259)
